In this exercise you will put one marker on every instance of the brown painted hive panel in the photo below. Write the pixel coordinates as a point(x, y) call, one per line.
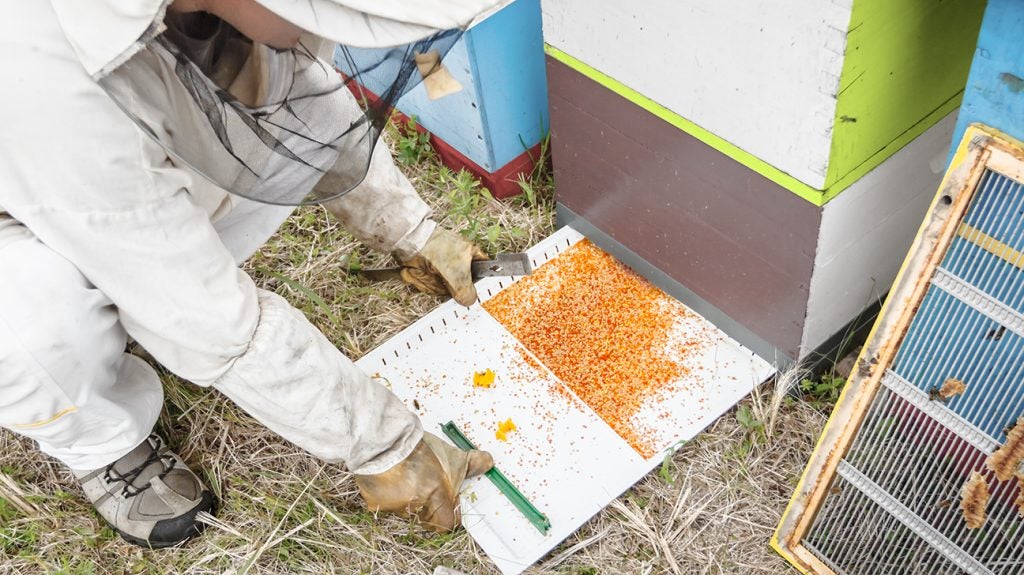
point(738, 240)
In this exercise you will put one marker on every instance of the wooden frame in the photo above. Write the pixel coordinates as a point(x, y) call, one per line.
point(981, 148)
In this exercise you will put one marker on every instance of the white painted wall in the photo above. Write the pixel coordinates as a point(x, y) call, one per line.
point(867, 230)
point(761, 74)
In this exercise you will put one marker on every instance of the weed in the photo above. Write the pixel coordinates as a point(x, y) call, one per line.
point(667, 470)
point(638, 500)
point(353, 262)
point(540, 178)
point(823, 393)
point(422, 540)
point(542, 163)
point(755, 434)
point(745, 417)
point(466, 196)
point(474, 211)
point(69, 566)
point(312, 295)
point(17, 534)
point(529, 196)
point(412, 145)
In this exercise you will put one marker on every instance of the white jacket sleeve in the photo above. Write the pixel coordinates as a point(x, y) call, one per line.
point(299, 385)
point(385, 212)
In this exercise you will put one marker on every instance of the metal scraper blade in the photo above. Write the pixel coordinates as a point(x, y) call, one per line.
point(517, 264)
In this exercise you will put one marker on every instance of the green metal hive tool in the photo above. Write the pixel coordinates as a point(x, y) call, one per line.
point(539, 520)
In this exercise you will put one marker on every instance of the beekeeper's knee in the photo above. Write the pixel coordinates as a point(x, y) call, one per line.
point(57, 331)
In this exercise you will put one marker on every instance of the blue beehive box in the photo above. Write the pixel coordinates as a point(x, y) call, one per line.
point(995, 87)
point(494, 126)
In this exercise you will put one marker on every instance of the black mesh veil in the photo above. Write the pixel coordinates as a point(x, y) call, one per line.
point(275, 126)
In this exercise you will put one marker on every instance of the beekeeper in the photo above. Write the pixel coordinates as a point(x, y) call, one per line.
point(147, 148)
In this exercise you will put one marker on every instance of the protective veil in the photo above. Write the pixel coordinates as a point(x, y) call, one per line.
point(267, 124)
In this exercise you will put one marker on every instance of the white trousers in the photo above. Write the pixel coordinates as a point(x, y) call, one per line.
point(102, 237)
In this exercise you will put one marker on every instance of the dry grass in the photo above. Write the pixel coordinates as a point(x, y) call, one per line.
point(709, 509)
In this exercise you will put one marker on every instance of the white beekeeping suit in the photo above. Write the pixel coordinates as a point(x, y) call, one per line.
point(114, 222)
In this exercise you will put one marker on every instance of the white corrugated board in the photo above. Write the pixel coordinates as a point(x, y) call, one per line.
point(563, 457)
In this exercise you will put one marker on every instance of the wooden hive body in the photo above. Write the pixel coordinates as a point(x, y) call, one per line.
point(767, 164)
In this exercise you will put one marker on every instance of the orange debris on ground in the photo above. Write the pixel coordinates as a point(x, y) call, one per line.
point(602, 330)
point(483, 378)
point(504, 428)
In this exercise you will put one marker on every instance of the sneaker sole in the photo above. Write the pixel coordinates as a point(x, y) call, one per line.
point(205, 504)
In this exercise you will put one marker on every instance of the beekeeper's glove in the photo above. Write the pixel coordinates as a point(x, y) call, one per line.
point(426, 484)
point(443, 266)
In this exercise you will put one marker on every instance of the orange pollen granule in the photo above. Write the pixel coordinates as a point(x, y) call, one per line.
point(602, 330)
point(483, 378)
point(504, 428)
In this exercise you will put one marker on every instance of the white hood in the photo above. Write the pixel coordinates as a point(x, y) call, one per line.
point(380, 23)
point(104, 33)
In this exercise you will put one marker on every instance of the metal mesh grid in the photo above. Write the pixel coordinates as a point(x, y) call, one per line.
point(852, 534)
point(894, 506)
point(949, 339)
point(924, 465)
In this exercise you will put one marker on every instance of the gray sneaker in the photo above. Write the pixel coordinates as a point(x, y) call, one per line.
point(148, 496)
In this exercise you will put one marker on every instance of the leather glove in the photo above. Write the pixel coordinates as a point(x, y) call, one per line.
point(443, 266)
point(426, 484)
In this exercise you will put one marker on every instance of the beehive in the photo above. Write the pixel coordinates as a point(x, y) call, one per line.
point(765, 162)
point(495, 124)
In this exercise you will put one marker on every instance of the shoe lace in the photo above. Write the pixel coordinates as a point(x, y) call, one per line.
point(129, 489)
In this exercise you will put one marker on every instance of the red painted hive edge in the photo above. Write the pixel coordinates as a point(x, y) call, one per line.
point(502, 183)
